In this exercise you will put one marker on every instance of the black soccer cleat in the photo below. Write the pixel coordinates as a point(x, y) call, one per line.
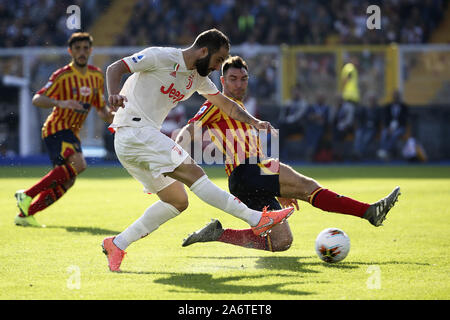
point(211, 232)
point(377, 211)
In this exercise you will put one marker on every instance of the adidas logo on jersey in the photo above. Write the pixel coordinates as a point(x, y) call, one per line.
point(172, 92)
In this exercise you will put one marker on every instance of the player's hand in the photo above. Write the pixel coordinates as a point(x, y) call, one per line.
point(265, 125)
point(70, 104)
point(287, 202)
point(116, 101)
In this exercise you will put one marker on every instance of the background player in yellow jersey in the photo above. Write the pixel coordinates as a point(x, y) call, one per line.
point(71, 91)
point(349, 81)
point(259, 183)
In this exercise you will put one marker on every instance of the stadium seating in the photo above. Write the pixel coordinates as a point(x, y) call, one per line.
point(176, 22)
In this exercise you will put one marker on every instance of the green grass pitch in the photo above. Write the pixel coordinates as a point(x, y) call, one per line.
point(407, 258)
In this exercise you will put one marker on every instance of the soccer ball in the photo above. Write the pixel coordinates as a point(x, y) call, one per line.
point(332, 245)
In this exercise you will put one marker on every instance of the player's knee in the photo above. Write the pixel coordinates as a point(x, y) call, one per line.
point(310, 186)
point(80, 167)
point(183, 205)
point(180, 203)
point(282, 244)
point(69, 183)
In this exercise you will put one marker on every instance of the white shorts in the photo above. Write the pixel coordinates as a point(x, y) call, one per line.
point(147, 154)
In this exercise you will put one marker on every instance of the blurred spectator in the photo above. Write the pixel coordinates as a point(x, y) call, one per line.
point(250, 47)
point(218, 9)
point(349, 82)
point(265, 74)
point(292, 117)
point(316, 123)
point(367, 124)
point(413, 151)
point(174, 120)
point(394, 127)
point(9, 131)
point(344, 120)
point(343, 130)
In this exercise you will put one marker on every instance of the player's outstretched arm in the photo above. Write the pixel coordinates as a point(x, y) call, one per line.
point(42, 101)
point(233, 110)
point(114, 74)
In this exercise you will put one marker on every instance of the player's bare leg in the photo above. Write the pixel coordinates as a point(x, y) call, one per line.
point(176, 195)
point(78, 161)
point(280, 238)
point(296, 185)
point(195, 178)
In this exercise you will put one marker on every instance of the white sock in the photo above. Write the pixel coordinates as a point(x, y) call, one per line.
point(153, 217)
point(213, 195)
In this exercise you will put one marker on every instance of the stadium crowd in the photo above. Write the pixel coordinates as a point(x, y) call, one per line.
point(273, 22)
point(25, 23)
point(267, 22)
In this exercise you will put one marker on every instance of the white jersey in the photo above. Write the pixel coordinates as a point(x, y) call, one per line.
point(159, 81)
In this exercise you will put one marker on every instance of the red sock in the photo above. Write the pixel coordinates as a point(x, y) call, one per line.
point(58, 175)
point(45, 199)
point(329, 201)
point(244, 238)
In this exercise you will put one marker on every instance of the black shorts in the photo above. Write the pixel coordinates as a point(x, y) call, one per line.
point(255, 188)
point(62, 145)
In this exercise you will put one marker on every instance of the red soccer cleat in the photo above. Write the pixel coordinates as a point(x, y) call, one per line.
point(113, 253)
point(269, 219)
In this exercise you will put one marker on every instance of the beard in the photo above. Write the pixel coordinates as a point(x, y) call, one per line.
point(240, 95)
point(202, 66)
point(81, 63)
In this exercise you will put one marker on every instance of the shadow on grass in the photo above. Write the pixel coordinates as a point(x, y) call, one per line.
point(209, 284)
point(292, 264)
point(90, 230)
point(213, 283)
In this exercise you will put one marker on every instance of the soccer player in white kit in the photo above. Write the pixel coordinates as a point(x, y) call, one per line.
point(162, 77)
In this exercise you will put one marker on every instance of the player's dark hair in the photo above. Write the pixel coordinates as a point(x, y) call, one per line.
point(213, 39)
point(234, 62)
point(80, 36)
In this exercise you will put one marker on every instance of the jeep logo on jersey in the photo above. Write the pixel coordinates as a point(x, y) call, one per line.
point(85, 91)
point(173, 93)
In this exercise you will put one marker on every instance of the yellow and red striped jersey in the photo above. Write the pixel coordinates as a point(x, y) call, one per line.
point(67, 83)
point(235, 139)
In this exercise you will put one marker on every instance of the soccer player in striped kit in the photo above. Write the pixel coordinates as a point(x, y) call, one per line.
point(71, 91)
point(259, 181)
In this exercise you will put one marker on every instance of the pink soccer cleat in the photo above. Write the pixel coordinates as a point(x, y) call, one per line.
point(113, 253)
point(271, 218)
